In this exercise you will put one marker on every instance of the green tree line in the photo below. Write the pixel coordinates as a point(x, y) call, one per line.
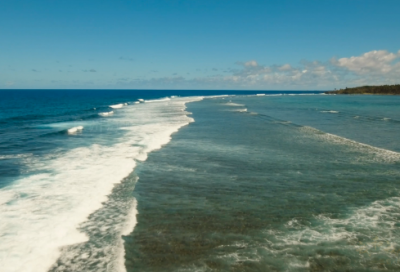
point(384, 89)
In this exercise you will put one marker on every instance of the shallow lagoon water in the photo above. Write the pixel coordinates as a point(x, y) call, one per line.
point(248, 191)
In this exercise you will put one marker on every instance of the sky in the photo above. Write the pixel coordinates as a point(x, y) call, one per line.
point(199, 44)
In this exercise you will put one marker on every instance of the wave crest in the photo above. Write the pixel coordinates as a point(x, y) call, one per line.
point(117, 106)
point(75, 130)
point(377, 153)
point(104, 114)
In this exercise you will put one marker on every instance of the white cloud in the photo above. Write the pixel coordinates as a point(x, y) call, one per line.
point(251, 63)
point(285, 67)
point(378, 61)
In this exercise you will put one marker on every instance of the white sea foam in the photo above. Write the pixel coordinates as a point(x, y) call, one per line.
point(265, 95)
point(157, 100)
point(330, 111)
point(234, 104)
point(304, 94)
point(15, 156)
point(126, 230)
point(380, 154)
point(75, 129)
point(241, 110)
point(369, 231)
point(282, 122)
point(141, 100)
point(131, 220)
point(104, 114)
point(217, 96)
point(281, 94)
point(41, 213)
point(117, 106)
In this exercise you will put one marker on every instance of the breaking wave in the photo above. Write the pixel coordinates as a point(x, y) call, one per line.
point(376, 152)
point(75, 130)
point(104, 114)
point(117, 106)
point(44, 216)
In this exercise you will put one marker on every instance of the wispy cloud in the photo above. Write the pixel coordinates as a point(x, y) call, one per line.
point(126, 58)
point(251, 63)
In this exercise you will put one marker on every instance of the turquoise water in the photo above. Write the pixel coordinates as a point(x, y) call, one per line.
point(187, 181)
point(285, 186)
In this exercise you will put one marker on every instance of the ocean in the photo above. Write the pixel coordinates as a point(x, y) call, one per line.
point(120, 180)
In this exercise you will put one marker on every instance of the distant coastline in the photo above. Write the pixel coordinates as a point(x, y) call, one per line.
point(380, 90)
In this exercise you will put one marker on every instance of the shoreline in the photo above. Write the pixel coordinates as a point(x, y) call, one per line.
point(369, 90)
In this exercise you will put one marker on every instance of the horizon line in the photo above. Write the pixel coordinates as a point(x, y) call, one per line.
point(212, 90)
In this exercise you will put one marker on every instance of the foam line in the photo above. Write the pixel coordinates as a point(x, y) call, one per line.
point(105, 114)
point(15, 156)
point(157, 100)
point(381, 153)
point(234, 104)
point(218, 96)
point(304, 94)
point(75, 129)
point(265, 95)
point(117, 106)
point(330, 111)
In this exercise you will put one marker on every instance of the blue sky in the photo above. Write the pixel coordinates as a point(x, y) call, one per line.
point(199, 44)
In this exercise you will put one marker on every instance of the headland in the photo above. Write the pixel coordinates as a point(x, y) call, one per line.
point(380, 90)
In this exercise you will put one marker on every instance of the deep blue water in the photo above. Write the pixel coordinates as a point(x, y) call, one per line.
point(195, 181)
